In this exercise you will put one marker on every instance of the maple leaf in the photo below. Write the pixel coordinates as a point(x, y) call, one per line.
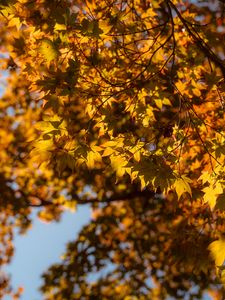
point(212, 192)
point(48, 50)
point(217, 250)
point(182, 186)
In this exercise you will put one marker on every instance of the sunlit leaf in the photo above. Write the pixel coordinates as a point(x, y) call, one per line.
point(48, 50)
point(182, 185)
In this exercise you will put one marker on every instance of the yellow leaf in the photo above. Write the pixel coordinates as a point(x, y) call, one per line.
point(211, 194)
point(96, 148)
point(182, 186)
point(43, 144)
point(59, 27)
point(217, 249)
point(48, 50)
point(42, 150)
point(44, 126)
point(92, 158)
point(133, 175)
point(118, 164)
point(143, 182)
point(137, 156)
point(181, 86)
point(104, 26)
point(108, 151)
point(159, 103)
point(205, 177)
point(70, 205)
point(7, 10)
point(110, 144)
point(197, 92)
point(167, 102)
point(15, 22)
point(146, 121)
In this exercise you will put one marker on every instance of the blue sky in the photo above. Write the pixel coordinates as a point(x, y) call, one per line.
point(42, 246)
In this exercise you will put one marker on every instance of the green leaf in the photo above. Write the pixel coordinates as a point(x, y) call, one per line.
point(48, 50)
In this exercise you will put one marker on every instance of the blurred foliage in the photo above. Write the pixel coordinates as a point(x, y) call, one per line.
point(119, 105)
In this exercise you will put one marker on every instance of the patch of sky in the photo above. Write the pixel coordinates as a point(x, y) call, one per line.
point(97, 275)
point(42, 246)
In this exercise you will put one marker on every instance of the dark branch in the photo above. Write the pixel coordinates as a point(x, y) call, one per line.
point(114, 198)
point(199, 41)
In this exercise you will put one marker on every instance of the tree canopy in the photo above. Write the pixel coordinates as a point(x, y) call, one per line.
point(118, 105)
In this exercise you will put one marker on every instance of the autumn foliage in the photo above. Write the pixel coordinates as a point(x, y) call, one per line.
point(118, 105)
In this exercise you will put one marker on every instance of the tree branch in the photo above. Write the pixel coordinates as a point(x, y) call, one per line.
point(199, 41)
point(114, 198)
